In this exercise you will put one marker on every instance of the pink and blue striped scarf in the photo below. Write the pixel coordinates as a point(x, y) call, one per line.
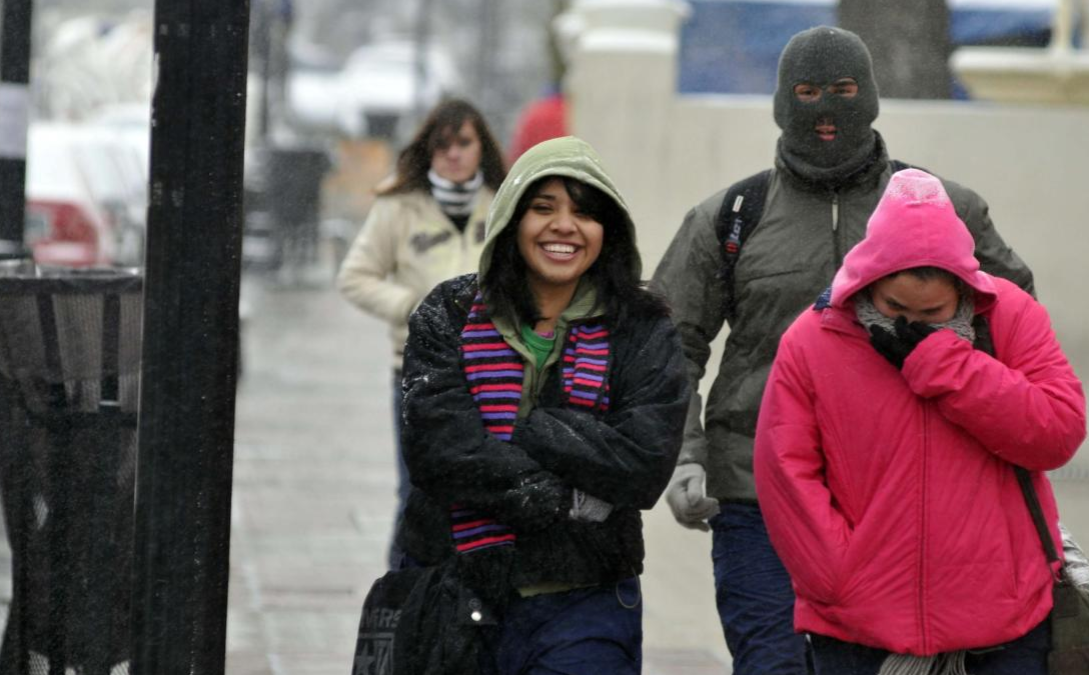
point(495, 373)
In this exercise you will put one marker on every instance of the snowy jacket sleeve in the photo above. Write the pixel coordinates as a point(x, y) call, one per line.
point(1026, 405)
point(364, 277)
point(688, 277)
point(810, 535)
point(626, 457)
point(449, 454)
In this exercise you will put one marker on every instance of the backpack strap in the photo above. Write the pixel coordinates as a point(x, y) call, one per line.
point(740, 213)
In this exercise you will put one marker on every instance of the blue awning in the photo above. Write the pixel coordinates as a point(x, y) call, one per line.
point(733, 46)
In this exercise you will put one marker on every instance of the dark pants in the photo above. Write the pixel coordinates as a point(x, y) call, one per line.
point(1027, 655)
point(586, 631)
point(403, 484)
point(754, 596)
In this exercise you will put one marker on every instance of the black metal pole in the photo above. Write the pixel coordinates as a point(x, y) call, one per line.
point(14, 109)
point(190, 344)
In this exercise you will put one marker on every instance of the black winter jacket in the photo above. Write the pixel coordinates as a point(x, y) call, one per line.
point(624, 456)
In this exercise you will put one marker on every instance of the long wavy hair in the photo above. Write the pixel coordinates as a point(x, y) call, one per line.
point(620, 292)
point(438, 131)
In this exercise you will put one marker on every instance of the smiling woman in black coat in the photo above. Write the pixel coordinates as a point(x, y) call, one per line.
point(544, 404)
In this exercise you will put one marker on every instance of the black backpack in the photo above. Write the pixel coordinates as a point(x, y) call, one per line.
point(740, 213)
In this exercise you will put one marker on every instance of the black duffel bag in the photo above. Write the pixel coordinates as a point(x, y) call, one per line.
point(421, 621)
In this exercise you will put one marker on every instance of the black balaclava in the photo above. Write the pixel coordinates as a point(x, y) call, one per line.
point(820, 56)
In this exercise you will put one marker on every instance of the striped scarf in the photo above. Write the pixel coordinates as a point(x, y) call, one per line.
point(455, 199)
point(495, 373)
point(585, 367)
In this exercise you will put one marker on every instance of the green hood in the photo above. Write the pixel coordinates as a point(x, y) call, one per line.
point(568, 156)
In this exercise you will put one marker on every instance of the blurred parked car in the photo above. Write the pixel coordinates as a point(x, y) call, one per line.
point(86, 196)
point(373, 91)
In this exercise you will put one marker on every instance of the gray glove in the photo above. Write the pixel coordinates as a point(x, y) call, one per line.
point(588, 508)
point(687, 497)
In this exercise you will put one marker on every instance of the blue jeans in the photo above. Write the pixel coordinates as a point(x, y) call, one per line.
point(1027, 655)
point(754, 596)
point(586, 631)
point(393, 557)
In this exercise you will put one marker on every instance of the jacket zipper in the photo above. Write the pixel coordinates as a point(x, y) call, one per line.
point(464, 235)
point(835, 231)
point(923, 552)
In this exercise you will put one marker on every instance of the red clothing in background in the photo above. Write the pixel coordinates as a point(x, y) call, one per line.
point(541, 120)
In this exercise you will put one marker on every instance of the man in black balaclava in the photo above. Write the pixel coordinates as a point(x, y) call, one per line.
point(825, 103)
point(803, 215)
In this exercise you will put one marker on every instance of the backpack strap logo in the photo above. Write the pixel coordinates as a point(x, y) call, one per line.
point(733, 240)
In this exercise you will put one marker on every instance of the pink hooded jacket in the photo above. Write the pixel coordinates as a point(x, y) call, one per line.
point(890, 495)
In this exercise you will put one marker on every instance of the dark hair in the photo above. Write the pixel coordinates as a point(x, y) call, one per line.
point(437, 131)
point(929, 272)
point(619, 289)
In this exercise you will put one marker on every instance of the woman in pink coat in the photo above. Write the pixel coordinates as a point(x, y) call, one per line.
point(885, 451)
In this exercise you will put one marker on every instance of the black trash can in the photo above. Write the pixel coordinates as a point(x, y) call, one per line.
point(69, 390)
point(293, 197)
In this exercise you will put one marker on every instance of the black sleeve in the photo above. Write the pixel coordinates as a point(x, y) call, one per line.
point(626, 457)
point(688, 277)
point(449, 454)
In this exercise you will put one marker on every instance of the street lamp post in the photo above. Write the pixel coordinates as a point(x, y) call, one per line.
point(14, 114)
point(190, 343)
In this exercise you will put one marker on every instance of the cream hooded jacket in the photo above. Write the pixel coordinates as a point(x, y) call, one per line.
point(406, 247)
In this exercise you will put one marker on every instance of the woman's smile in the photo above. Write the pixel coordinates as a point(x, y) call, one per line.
point(560, 252)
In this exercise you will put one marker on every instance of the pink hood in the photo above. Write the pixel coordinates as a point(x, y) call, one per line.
point(914, 225)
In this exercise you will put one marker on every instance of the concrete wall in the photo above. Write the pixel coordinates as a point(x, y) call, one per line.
point(668, 152)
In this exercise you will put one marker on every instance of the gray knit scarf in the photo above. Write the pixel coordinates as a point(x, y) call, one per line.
point(961, 323)
point(947, 663)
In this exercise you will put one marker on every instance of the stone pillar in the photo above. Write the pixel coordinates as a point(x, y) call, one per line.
point(621, 89)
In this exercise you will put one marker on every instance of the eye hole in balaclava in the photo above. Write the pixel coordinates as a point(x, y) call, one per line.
point(821, 57)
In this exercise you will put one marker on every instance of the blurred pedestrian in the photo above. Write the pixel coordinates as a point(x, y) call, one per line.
point(886, 446)
point(426, 226)
point(754, 256)
point(542, 119)
point(544, 405)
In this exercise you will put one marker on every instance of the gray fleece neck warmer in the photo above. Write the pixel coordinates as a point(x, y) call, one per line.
point(821, 56)
point(961, 323)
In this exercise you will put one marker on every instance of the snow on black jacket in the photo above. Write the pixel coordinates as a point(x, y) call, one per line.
point(624, 456)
